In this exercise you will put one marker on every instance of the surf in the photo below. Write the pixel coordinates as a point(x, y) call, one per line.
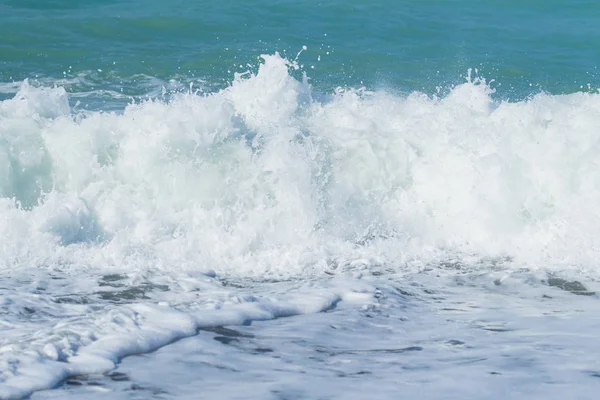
point(168, 216)
point(262, 165)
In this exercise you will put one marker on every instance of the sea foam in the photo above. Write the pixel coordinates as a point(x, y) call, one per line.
point(105, 214)
point(261, 167)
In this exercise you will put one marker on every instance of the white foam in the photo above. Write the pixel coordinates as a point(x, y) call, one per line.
point(255, 167)
point(260, 181)
point(139, 328)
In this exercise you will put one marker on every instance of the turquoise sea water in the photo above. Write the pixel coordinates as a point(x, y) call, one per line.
point(400, 45)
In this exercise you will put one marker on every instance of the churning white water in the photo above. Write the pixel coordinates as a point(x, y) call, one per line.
point(123, 232)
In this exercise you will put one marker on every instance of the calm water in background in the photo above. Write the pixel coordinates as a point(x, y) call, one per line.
point(401, 45)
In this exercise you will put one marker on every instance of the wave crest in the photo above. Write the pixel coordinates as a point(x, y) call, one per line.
point(261, 178)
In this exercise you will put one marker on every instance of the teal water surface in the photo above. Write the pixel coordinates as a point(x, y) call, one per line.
point(403, 45)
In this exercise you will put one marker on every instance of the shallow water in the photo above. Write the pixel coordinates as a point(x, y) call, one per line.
point(430, 336)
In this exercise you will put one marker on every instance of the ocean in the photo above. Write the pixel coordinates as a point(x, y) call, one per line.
point(299, 199)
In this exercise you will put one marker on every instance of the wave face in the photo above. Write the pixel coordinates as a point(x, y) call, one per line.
point(266, 177)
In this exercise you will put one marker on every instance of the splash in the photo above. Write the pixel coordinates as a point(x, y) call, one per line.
point(260, 178)
point(124, 231)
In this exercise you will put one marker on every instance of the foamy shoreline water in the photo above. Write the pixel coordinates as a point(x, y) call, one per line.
point(125, 231)
point(458, 336)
